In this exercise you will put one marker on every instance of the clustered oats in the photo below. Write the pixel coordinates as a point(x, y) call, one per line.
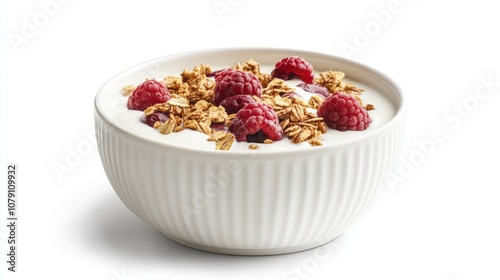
point(298, 122)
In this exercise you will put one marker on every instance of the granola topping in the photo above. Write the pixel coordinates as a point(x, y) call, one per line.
point(191, 105)
point(254, 146)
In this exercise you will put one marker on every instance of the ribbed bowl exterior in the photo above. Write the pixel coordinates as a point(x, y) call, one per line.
point(248, 204)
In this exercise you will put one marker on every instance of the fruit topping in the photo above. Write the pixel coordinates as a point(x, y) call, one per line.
point(256, 122)
point(343, 112)
point(148, 94)
point(293, 66)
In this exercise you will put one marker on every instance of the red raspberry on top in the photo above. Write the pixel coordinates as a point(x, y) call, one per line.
point(235, 82)
point(220, 74)
point(151, 119)
point(256, 122)
point(293, 66)
point(342, 111)
point(234, 103)
point(148, 94)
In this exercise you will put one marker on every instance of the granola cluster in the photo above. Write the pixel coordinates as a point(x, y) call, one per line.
point(298, 122)
point(191, 107)
point(192, 84)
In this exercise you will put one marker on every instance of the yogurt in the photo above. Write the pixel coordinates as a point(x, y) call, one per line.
point(115, 109)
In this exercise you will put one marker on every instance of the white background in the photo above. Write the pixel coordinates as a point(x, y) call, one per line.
point(439, 219)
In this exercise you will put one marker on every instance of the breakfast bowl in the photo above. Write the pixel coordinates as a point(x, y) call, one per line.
point(283, 197)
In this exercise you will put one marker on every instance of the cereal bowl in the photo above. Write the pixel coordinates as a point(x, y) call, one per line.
point(284, 197)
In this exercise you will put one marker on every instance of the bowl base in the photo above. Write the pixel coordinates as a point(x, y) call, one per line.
point(249, 252)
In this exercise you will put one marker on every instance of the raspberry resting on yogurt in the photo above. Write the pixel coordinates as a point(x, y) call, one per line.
point(256, 118)
point(293, 66)
point(342, 111)
point(148, 94)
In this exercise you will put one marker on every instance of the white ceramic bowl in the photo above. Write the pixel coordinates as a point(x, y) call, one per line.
point(279, 199)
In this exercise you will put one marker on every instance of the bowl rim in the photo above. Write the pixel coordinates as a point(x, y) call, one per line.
point(397, 118)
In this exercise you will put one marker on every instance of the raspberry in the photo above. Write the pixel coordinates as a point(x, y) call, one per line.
point(311, 88)
point(148, 94)
point(291, 94)
point(234, 103)
point(256, 122)
point(218, 126)
point(155, 117)
point(342, 111)
point(220, 74)
point(293, 66)
point(235, 82)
